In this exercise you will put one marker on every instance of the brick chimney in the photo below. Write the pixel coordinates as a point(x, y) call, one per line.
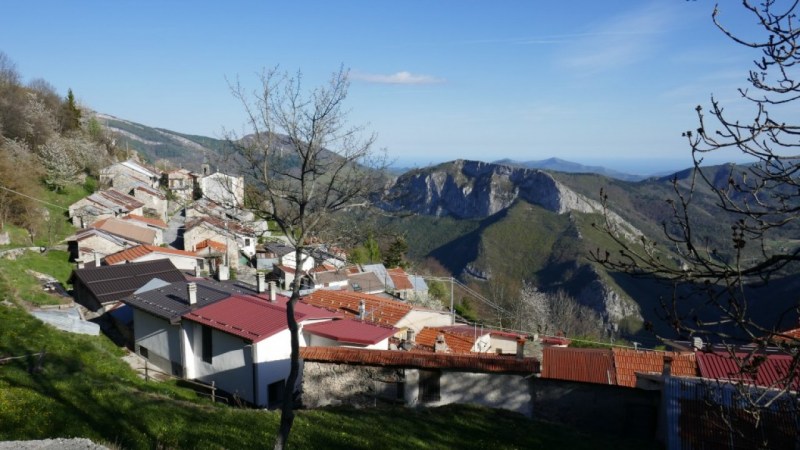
point(273, 296)
point(191, 289)
point(520, 347)
point(261, 282)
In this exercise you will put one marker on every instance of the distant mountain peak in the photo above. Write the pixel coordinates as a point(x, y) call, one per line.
point(562, 165)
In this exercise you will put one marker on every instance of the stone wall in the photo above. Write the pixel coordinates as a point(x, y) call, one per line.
point(340, 384)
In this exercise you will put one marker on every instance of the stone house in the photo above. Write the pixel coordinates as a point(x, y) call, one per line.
point(102, 205)
point(183, 260)
point(359, 377)
point(127, 174)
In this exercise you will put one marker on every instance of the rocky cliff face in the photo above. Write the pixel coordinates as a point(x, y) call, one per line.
point(477, 190)
point(473, 189)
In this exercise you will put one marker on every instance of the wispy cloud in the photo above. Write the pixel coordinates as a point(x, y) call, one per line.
point(402, 77)
point(618, 42)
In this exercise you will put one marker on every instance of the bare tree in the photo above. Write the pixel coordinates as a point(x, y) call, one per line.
point(714, 292)
point(303, 163)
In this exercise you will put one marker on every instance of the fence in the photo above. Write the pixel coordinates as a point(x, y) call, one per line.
point(200, 388)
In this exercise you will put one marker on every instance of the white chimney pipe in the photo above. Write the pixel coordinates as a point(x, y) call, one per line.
point(196, 270)
point(260, 283)
point(362, 310)
point(191, 288)
point(81, 264)
point(96, 259)
point(272, 292)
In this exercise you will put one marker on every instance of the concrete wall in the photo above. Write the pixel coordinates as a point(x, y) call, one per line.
point(419, 319)
point(507, 345)
point(100, 245)
point(223, 189)
point(152, 202)
point(231, 367)
point(600, 408)
point(161, 339)
point(184, 263)
point(320, 341)
point(511, 392)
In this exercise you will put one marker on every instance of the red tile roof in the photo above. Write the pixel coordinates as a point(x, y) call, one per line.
point(396, 358)
point(148, 220)
point(134, 253)
point(351, 331)
point(763, 370)
point(628, 362)
point(379, 310)
point(209, 243)
point(244, 316)
point(588, 365)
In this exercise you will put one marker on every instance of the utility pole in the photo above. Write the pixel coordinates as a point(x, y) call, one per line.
point(452, 309)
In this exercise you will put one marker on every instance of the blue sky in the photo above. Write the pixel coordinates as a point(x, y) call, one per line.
point(607, 82)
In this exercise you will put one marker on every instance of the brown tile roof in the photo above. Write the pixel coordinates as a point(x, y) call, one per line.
point(134, 253)
point(588, 365)
point(628, 362)
point(158, 223)
point(230, 225)
point(124, 200)
point(459, 341)
point(126, 230)
point(400, 279)
point(379, 310)
point(152, 191)
point(396, 358)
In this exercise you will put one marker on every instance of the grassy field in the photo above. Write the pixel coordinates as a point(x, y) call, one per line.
point(84, 389)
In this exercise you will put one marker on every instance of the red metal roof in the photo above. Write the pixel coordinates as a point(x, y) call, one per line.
point(481, 362)
point(763, 370)
point(587, 365)
point(351, 331)
point(378, 309)
point(244, 316)
point(134, 253)
point(400, 279)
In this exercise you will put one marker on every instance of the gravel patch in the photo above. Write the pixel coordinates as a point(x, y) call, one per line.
point(53, 444)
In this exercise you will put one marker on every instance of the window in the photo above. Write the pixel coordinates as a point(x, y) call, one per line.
point(144, 352)
point(207, 350)
point(429, 385)
point(275, 393)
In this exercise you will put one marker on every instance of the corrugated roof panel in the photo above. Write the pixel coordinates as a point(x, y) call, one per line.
point(579, 364)
point(351, 331)
point(764, 370)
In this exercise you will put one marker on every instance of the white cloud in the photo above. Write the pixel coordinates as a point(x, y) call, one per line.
point(402, 77)
point(621, 41)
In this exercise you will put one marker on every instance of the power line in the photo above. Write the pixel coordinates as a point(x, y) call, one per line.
point(34, 198)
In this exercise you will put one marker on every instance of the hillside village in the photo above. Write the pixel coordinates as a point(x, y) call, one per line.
point(196, 288)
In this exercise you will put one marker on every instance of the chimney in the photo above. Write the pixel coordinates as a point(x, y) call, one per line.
point(272, 292)
point(260, 283)
point(191, 289)
point(410, 335)
point(223, 272)
point(197, 270)
point(96, 259)
point(667, 370)
point(81, 264)
point(520, 347)
point(697, 343)
point(440, 346)
point(362, 310)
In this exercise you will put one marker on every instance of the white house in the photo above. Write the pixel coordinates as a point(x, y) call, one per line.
point(223, 189)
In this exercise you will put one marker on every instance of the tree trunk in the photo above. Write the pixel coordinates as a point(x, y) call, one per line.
point(287, 409)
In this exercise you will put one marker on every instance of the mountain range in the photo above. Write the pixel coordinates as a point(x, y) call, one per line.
point(512, 222)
